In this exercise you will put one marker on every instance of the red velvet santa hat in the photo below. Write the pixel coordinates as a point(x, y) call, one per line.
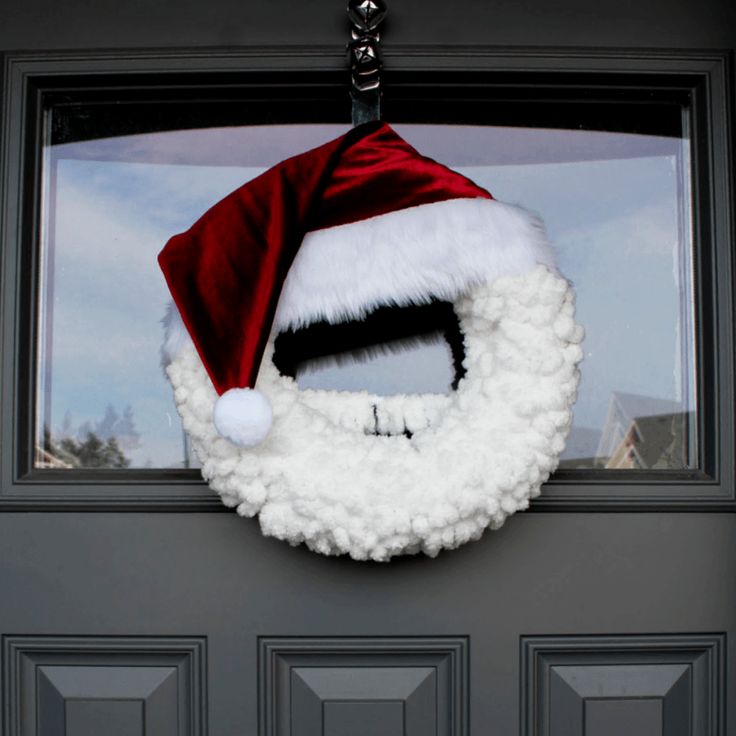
point(331, 234)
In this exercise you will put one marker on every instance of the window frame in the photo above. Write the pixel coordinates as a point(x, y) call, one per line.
point(704, 79)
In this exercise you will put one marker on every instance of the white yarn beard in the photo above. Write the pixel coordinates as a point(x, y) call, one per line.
point(324, 478)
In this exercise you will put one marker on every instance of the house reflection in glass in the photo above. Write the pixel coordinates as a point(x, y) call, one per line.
point(640, 433)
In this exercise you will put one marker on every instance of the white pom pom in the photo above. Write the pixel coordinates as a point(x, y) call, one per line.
point(243, 416)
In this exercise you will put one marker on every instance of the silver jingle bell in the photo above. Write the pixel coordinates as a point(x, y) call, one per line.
point(367, 15)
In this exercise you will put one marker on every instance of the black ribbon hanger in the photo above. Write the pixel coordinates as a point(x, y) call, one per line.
point(365, 58)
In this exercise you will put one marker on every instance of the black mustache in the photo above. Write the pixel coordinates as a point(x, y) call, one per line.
point(384, 331)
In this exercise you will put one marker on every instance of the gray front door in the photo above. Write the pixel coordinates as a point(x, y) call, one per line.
point(132, 601)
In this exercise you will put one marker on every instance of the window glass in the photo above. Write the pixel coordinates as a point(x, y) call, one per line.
point(617, 207)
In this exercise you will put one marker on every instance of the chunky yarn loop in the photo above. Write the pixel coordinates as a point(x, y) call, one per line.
point(325, 478)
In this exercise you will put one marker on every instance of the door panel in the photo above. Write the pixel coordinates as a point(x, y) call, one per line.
point(70, 685)
point(412, 685)
point(635, 685)
point(573, 577)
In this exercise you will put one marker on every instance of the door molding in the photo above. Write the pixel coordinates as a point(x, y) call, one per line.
point(683, 676)
point(158, 684)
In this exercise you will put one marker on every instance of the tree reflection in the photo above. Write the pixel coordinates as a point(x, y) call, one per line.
point(99, 445)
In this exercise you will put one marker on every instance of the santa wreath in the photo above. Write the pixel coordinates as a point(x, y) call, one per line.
point(332, 235)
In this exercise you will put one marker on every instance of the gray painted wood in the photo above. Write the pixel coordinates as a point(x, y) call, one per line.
point(366, 719)
point(171, 576)
point(111, 717)
point(68, 686)
point(121, 590)
point(629, 717)
point(600, 699)
point(684, 24)
point(129, 700)
point(579, 685)
point(311, 686)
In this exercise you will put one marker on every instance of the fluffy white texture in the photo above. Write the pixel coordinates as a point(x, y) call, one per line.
point(407, 257)
point(323, 477)
point(243, 416)
point(176, 336)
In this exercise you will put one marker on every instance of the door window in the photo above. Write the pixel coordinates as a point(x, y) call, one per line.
point(616, 204)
